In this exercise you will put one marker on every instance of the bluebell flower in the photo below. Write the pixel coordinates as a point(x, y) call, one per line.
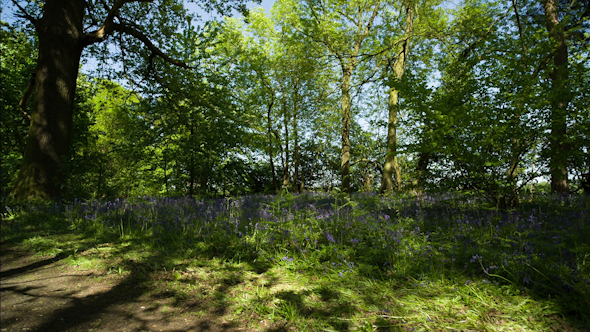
point(330, 237)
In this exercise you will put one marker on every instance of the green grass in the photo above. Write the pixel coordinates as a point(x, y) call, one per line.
point(304, 272)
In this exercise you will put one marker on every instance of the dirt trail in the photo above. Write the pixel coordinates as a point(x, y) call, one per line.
point(46, 294)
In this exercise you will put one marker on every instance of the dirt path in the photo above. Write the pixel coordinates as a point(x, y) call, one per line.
point(46, 294)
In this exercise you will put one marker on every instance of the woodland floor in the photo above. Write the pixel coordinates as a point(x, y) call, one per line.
point(87, 274)
point(47, 294)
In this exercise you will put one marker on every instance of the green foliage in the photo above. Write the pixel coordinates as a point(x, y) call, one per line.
point(486, 127)
point(262, 103)
point(18, 62)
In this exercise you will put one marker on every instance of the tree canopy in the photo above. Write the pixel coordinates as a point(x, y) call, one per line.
point(397, 96)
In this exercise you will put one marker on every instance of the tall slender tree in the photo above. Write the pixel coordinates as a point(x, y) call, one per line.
point(344, 29)
point(559, 99)
point(397, 62)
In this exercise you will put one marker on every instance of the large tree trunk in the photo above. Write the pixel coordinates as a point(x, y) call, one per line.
point(560, 97)
point(59, 32)
point(348, 63)
point(391, 164)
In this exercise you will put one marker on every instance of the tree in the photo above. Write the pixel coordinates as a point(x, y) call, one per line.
point(344, 30)
point(495, 107)
point(283, 81)
point(18, 61)
point(397, 62)
point(64, 29)
point(480, 107)
point(559, 97)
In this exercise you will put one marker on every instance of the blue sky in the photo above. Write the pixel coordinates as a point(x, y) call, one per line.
point(266, 4)
point(8, 9)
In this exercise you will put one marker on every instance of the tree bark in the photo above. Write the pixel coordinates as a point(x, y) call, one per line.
point(346, 120)
point(286, 170)
point(296, 182)
point(560, 97)
point(60, 48)
point(165, 169)
point(61, 41)
point(192, 171)
point(391, 165)
point(275, 183)
point(421, 169)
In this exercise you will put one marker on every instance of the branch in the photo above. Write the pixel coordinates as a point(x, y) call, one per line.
point(543, 64)
point(108, 26)
point(343, 14)
point(25, 14)
point(374, 163)
point(122, 28)
point(471, 46)
point(23, 102)
point(524, 46)
point(370, 23)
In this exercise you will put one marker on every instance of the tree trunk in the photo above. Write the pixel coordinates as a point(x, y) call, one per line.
point(346, 120)
point(348, 62)
point(560, 98)
point(275, 183)
point(192, 173)
point(99, 186)
point(368, 180)
point(165, 170)
point(391, 164)
point(421, 169)
point(286, 169)
point(59, 32)
point(296, 181)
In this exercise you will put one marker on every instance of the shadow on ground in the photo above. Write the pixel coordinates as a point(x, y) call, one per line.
point(47, 294)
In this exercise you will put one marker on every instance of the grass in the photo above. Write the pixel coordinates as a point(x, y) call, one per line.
point(333, 263)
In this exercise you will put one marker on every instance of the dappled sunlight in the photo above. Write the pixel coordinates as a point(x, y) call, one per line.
point(330, 261)
point(161, 172)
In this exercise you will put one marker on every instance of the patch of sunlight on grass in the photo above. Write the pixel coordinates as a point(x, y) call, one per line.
point(83, 262)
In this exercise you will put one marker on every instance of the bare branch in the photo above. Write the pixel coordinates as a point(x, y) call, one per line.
point(24, 13)
point(523, 42)
point(109, 24)
point(145, 40)
point(371, 20)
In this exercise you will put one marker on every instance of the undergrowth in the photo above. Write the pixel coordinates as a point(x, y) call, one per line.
point(334, 262)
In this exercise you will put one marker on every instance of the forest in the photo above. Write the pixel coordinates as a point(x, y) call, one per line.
point(415, 145)
point(483, 97)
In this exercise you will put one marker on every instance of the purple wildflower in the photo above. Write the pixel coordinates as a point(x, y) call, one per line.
point(330, 237)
